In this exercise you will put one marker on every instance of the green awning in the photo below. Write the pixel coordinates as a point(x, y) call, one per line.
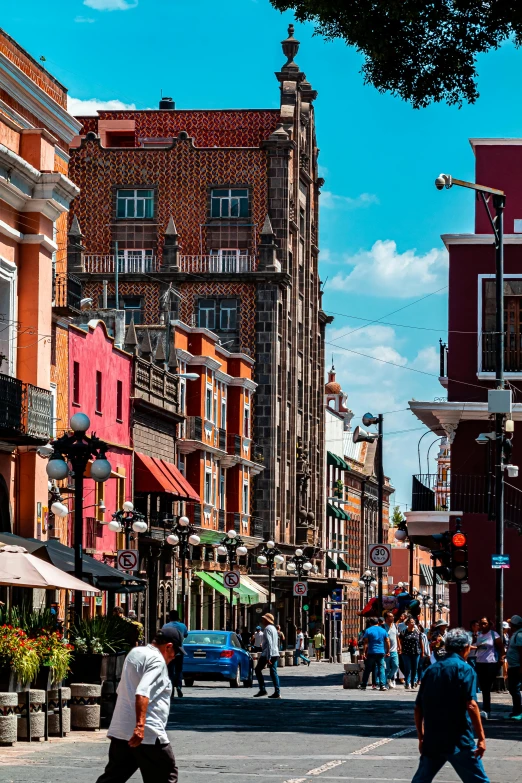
point(331, 563)
point(211, 581)
point(335, 461)
point(246, 594)
point(343, 566)
point(336, 511)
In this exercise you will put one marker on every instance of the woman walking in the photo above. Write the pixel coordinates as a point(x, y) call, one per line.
point(319, 644)
point(489, 659)
point(411, 649)
point(474, 628)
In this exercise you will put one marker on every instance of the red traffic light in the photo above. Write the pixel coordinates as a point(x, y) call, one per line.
point(459, 539)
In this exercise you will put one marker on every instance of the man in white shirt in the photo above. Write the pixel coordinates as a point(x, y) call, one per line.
point(299, 648)
point(137, 730)
point(269, 657)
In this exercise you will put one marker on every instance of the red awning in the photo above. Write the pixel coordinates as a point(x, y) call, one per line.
point(157, 475)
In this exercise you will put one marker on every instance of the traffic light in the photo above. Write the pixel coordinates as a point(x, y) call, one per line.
point(442, 555)
point(459, 554)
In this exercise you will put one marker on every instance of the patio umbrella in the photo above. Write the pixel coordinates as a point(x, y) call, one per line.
point(18, 568)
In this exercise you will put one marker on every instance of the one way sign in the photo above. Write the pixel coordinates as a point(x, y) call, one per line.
point(127, 560)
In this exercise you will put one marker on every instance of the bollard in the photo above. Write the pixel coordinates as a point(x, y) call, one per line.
point(289, 655)
point(108, 702)
point(85, 706)
point(58, 703)
point(8, 718)
point(31, 706)
point(351, 675)
point(282, 660)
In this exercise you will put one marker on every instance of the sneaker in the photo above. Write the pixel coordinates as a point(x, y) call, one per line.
point(374, 687)
point(275, 695)
point(383, 688)
point(260, 693)
point(407, 686)
point(391, 683)
point(179, 692)
point(517, 717)
point(484, 714)
point(361, 687)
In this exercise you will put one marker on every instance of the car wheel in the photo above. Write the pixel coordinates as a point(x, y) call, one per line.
point(188, 683)
point(236, 682)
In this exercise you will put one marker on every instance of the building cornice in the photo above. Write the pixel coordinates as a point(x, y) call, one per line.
point(246, 383)
point(37, 102)
point(204, 361)
point(479, 239)
point(498, 142)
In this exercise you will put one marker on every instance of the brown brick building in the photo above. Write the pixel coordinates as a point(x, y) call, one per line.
point(211, 217)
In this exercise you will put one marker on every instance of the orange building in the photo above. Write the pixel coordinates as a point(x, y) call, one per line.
point(35, 195)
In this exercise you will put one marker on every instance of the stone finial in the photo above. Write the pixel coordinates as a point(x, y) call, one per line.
point(131, 339)
point(171, 230)
point(267, 229)
point(159, 356)
point(280, 134)
point(75, 229)
point(146, 347)
point(290, 48)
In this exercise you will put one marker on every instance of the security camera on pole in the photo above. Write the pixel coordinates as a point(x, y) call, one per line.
point(361, 436)
point(78, 448)
point(232, 546)
point(182, 535)
point(270, 556)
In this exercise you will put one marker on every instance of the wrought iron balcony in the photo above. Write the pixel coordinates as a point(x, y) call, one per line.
point(155, 385)
point(512, 352)
point(67, 294)
point(25, 412)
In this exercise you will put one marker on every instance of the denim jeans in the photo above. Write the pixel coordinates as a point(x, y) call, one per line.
point(392, 665)
point(262, 662)
point(374, 660)
point(467, 766)
point(299, 654)
point(514, 685)
point(410, 668)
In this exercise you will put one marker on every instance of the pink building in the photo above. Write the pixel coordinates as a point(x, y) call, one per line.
point(100, 386)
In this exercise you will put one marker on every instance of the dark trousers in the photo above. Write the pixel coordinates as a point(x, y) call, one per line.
point(410, 668)
point(155, 762)
point(514, 685)
point(374, 660)
point(175, 668)
point(467, 766)
point(486, 675)
point(262, 662)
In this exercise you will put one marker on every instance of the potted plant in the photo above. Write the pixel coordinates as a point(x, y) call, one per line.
point(55, 656)
point(97, 643)
point(19, 660)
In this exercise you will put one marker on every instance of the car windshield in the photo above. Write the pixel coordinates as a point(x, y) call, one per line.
point(206, 637)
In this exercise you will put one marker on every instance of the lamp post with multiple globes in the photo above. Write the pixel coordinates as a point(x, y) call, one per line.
point(77, 448)
point(231, 546)
point(270, 556)
point(183, 535)
point(367, 581)
point(299, 565)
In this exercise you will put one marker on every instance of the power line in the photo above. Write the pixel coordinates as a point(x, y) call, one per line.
point(402, 326)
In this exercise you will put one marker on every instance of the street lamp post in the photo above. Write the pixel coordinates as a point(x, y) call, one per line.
point(232, 545)
point(299, 565)
point(128, 520)
point(183, 534)
point(498, 198)
point(78, 448)
point(367, 581)
point(270, 556)
point(426, 600)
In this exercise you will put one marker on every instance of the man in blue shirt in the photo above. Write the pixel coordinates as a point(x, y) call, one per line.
point(175, 667)
point(376, 646)
point(446, 712)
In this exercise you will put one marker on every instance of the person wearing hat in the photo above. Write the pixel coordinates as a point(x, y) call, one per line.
point(137, 731)
point(514, 663)
point(437, 640)
point(269, 657)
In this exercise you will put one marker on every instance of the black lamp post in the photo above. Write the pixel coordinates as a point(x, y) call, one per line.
point(232, 545)
point(299, 564)
point(183, 535)
point(78, 448)
point(270, 556)
point(127, 519)
point(367, 581)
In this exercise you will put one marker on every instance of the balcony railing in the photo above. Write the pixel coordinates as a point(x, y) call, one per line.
point(443, 359)
point(67, 294)
point(512, 352)
point(194, 428)
point(155, 385)
point(127, 265)
point(25, 411)
point(234, 445)
point(217, 264)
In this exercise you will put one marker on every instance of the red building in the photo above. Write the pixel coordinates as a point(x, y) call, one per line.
point(100, 386)
point(468, 371)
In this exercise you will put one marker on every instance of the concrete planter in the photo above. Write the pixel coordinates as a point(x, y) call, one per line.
point(85, 706)
point(351, 675)
point(289, 655)
point(36, 700)
point(282, 660)
point(54, 714)
point(8, 718)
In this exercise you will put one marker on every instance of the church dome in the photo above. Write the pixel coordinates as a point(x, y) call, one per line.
point(332, 388)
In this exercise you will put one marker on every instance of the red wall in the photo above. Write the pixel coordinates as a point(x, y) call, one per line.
point(499, 167)
point(94, 351)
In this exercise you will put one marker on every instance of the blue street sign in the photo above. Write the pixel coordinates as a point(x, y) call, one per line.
point(499, 561)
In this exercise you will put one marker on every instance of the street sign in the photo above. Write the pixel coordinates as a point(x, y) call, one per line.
point(499, 561)
point(379, 555)
point(465, 588)
point(300, 589)
point(127, 560)
point(231, 579)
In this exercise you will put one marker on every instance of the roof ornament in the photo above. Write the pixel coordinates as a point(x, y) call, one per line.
point(290, 48)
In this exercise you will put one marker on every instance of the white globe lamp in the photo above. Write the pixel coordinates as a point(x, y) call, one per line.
point(290, 567)
point(173, 539)
point(299, 552)
point(400, 535)
point(59, 509)
point(270, 544)
point(57, 468)
point(80, 422)
point(221, 550)
point(242, 550)
point(231, 533)
point(279, 559)
point(139, 526)
point(128, 506)
point(114, 526)
point(100, 469)
point(307, 566)
point(184, 521)
point(194, 540)
point(262, 560)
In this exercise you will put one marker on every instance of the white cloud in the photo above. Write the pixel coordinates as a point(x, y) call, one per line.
point(84, 20)
point(427, 360)
point(80, 108)
point(386, 272)
point(333, 201)
point(110, 5)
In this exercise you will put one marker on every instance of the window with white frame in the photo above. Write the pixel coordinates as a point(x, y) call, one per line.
point(207, 313)
point(208, 403)
point(135, 203)
point(246, 419)
point(246, 504)
point(208, 487)
point(214, 489)
point(223, 410)
point(222, 485)
point(215, 411)
point(181, 464)
point(8, 316)
point(182, 391)
point(228, 315)
point(229, 202)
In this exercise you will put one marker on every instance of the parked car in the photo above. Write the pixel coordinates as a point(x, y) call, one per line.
point(217, 655)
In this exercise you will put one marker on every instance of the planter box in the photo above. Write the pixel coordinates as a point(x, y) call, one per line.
point(8, 680)
point(44, 681)
point(96, 669)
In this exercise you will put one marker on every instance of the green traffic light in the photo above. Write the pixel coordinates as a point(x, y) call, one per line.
point(305, 607)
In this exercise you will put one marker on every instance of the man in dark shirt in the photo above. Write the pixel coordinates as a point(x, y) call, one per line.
point(446, 712)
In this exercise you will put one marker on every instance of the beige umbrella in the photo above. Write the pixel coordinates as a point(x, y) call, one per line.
point(18, 568)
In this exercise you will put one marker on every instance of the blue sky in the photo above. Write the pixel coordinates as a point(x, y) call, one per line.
point(381, 218)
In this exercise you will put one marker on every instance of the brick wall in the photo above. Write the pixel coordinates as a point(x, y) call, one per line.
point(152, 438)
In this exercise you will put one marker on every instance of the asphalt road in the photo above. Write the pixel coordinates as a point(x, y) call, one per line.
point(317, 731)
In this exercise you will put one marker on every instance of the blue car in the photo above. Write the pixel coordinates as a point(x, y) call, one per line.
point(216, 655)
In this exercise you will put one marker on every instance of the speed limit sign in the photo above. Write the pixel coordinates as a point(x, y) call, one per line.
point(379, 555)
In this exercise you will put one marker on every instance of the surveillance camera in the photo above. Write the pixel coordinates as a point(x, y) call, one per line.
point(443, 181)
point(86, 301)
point(45, 451)
point(485, 437)
point(512, 470)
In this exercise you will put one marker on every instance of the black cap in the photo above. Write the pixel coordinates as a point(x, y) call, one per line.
point(169, 635)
